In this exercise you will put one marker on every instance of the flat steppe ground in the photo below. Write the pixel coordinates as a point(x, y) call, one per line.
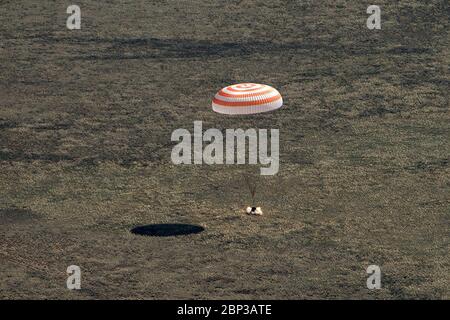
point(86, 118)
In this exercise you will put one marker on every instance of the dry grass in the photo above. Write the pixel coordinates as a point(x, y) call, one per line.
point(85, 124)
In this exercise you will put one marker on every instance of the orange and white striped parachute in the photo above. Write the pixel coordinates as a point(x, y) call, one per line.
point(246, 98)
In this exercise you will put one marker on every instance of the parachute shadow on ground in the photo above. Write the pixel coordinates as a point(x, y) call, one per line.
point(166, 230)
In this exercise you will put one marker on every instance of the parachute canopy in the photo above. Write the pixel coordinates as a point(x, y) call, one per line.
point(246, 98)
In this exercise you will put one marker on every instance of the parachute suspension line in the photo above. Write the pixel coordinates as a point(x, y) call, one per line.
point(251, 184)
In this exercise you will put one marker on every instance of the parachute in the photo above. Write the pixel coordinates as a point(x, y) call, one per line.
point(246, 98)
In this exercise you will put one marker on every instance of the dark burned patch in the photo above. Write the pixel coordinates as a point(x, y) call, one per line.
point(52, 126)
point(379, 111)
point(167, 230)
point(409, 50)
point(398, 284)
point(6, 124)
point(428, 166)
point(154, 48)
point(231, 218)
point(20, 156)
point(17, 215)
